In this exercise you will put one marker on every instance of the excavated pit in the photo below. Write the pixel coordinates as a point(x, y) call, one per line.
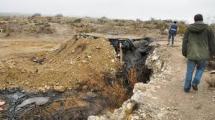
point(88, 98)
point(134, 52)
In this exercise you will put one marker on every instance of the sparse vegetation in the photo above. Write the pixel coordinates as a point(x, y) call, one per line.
point(38, 24)
point(102, 20)
point(182, 28)
point(37, 15)
point(59, 15)
point(161, 25)
point(78, 20)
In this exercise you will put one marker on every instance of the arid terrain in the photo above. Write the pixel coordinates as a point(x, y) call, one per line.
point(71, 67)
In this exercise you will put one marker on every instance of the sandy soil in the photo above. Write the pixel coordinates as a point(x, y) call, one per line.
point(13, 46)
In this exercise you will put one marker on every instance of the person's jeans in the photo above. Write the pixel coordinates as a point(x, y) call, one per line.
point(191, 65)
point(171, 39)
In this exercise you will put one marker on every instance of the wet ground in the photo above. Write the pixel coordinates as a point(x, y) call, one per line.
point(70, 105)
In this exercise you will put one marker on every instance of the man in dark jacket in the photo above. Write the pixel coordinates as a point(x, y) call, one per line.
point(172, 33)
point(198, 46)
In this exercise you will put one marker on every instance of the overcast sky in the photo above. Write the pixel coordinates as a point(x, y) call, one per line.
point(126, 9)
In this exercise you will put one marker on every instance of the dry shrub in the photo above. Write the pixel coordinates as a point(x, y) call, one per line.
point(182, 27)
point(111, 88)
point(44, 28)
point(37, 15)
point(103, 20)
point(78, 20)
point(161, 25)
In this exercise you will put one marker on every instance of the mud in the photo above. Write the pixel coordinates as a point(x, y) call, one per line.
point(52, 105)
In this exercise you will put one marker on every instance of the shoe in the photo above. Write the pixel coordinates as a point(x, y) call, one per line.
point(186, 90)
point(195, 87)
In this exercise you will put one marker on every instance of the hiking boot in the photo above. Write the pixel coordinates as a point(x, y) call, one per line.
point(186, 90)
point(195, 87)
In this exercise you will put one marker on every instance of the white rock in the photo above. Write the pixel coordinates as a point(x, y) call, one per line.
point(138, 97)
point(36, 100)
point(139, 87)
point(97, 118)
point(135, 117)
point(130, 106)
point(112, 60)
point(93, 118)
point(155, 57)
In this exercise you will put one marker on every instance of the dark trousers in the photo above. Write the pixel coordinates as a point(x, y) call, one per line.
point(171, 39)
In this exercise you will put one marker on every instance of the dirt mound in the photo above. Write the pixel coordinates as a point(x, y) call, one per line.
point(68, 62)
point(83, 64)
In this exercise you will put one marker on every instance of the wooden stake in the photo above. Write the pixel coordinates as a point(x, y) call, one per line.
point(121, 53)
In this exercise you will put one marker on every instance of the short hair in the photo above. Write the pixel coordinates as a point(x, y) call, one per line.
point(198, 17)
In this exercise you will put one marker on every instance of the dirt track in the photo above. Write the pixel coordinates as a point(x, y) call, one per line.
point(169, 93)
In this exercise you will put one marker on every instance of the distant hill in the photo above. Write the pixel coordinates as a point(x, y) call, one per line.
point(13, 14)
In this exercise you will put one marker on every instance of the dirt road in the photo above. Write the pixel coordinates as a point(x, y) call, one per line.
point(184, 106)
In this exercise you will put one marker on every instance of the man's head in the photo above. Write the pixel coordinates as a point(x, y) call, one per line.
point(198, 18)
point(175, 22)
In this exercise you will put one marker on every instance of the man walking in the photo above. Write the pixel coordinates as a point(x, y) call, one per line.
point(198, 46)
point(172, 33)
